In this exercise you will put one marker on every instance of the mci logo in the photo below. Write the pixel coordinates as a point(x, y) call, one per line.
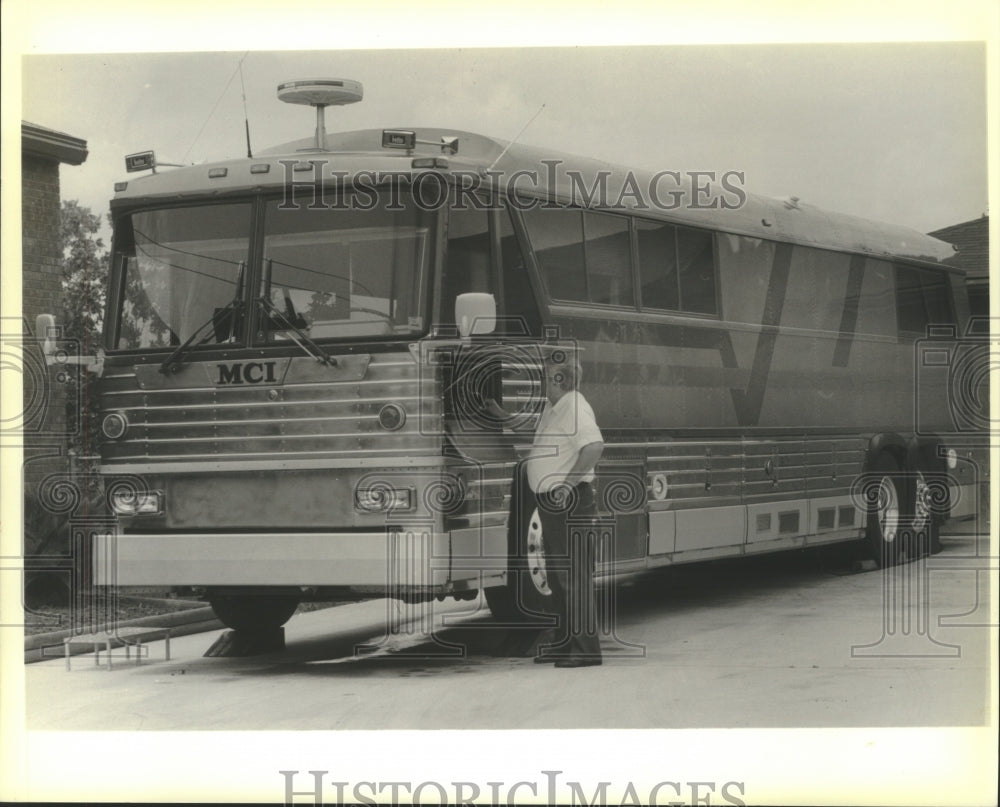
point(250, 372)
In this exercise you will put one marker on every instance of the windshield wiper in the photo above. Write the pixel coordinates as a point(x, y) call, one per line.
point(226, 317)
point(275, 314)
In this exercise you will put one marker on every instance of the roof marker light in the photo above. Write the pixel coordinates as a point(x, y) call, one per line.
point(429, 162)
point(260, 168)
point(146, 161)
point(216, 173)
point(406, 139)
point(398, 139)
point(140, 161)
point(121, 186)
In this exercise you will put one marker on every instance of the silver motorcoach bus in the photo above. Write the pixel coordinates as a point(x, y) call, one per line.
point(298, 345)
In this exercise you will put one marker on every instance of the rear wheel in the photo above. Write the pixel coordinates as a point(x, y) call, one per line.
point(253, 613)
point(926, 538)
point(883, 499)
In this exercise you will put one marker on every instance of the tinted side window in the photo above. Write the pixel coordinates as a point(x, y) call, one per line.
point(557, 238)
point(467, 267)
point(697, 271)
point(677, 268)
point(609, 259)
point(584, 257)
point(520, 315)
point(922, 299)
point(658, 265)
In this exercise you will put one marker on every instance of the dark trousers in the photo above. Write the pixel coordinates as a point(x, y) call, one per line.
point(570, 544)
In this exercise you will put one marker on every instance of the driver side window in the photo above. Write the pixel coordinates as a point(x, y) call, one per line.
point(467, 266)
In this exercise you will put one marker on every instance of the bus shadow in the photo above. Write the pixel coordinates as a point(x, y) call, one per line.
point(478, 640)
point(473, 641)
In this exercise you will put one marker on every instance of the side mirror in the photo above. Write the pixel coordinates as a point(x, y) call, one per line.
point(475, 313)
point(47, 333)
point(45, 329)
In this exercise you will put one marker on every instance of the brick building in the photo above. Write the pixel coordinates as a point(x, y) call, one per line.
point(973, 241)
point(43, 151)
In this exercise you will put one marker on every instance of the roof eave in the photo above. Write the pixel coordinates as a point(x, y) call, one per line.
point(50, 144)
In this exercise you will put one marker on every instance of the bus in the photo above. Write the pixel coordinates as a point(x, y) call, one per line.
point(298, 345)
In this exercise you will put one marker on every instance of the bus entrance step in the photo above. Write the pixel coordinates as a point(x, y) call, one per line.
point(236, 643)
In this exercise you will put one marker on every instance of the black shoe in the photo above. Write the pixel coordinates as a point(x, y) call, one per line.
point(586, 661)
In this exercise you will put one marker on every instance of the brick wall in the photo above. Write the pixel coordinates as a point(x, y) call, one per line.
point(44, 395)
point(41, 288)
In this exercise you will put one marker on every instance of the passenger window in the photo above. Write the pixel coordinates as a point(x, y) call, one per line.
point(658, 265)
point(676, 268)
point(557, 238)
point(609, 260)
point(697, 271)
point(583, 256)
point(922, 299)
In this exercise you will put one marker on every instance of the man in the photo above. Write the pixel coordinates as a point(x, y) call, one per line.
point(560, 472)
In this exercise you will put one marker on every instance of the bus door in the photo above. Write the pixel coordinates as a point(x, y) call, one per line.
point(483, 255)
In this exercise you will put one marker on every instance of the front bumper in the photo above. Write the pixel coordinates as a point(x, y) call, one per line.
point(400, 559)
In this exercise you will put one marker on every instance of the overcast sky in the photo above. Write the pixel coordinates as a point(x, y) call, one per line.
point(893, 132)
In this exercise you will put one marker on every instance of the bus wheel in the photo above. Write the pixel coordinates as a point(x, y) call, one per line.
point(882, 533)
point(925, 538)
point(524, 597)
point(253, 613)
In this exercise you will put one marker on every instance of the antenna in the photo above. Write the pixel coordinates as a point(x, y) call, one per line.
point(246, 117)
point(512, 142)
point(214, 107)
point(321, 93)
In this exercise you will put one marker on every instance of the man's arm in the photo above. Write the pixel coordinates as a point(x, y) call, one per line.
point(585, 461)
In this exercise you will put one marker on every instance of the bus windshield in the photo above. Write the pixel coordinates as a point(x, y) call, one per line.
point(347, 273)
point(181, 264)
point(330, 273)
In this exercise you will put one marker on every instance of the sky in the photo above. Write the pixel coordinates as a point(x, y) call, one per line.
point(891, 132)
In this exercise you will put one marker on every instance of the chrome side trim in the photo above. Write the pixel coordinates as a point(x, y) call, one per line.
point(425, 461)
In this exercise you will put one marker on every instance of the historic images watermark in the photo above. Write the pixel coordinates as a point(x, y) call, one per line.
point(551, 186)
point(547, 789)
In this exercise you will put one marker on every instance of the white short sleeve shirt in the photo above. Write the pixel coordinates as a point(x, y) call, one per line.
point(563, 430)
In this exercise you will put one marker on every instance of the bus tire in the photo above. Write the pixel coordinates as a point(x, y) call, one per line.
point(925, 528)
point(525, 596)
point(884, 497)
point(253, 613)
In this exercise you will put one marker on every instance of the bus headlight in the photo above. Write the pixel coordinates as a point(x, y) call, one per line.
point(951, 458)
point(114, 425)
point(383, 499)
point(130, 503)
point(391, 417)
